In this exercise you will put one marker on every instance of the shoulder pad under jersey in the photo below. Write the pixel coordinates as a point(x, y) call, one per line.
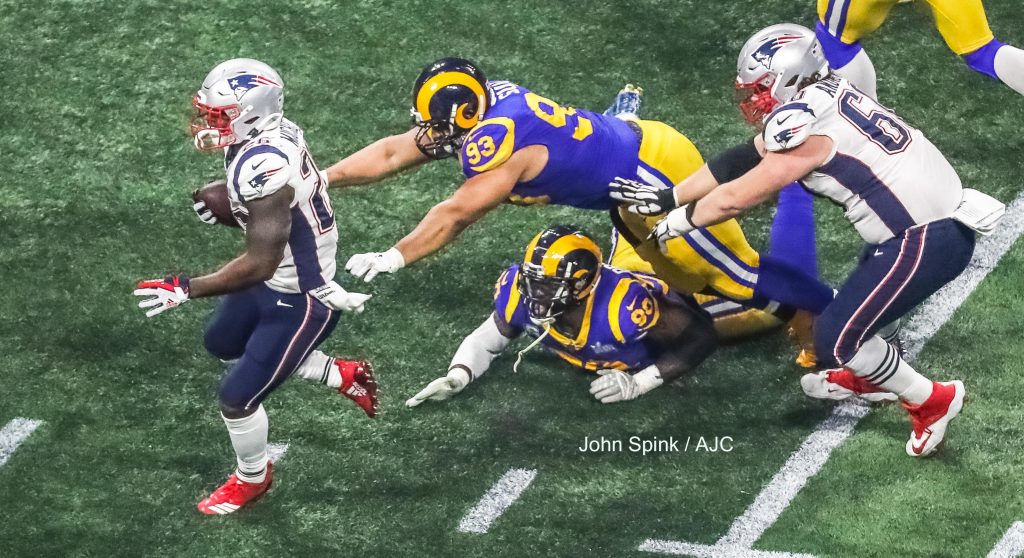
point(260, 171)
point(632, 310)
point(789, 126)
point(489, 144)
point(506, 298)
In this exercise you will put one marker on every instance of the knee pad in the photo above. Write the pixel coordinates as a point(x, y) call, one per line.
point(836, 51)
point(233, 397)
point(983, 60)
point(216, 346)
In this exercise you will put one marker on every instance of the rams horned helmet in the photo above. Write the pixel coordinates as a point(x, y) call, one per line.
point(561, 267)
point(773, 66)
point(448, 100)
point(239, 99)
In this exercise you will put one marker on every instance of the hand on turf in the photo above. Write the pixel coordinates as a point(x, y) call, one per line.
point(613, 386)
point(642, 198)
point(676, 223)
point(368, 265)
point(204, 213)
point(441, 388)
point(162, 294)
point(335, 297)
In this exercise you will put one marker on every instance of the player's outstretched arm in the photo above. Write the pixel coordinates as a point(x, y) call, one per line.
point(377, 161)
point(473, 358)
point(445, 221)
point(266, 236)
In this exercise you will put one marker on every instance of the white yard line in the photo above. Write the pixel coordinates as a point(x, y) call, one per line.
point(1012, 543)
point(833, 431)
point(503, 494)
point(13, 434)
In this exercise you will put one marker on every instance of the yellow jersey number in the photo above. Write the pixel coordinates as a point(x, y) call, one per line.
point(558, 116)
point(641, 316)
point(484, 147)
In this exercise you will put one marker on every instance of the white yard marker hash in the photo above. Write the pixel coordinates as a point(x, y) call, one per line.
point(833, 431)
point(1012, 543)
point(13, 434)
point(503, 494)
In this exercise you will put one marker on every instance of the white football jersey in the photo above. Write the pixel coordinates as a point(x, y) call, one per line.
point(886, 174)
point(263, 165)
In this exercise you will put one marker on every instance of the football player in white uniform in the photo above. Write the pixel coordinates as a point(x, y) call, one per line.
point(280, 300)
point(900, 193)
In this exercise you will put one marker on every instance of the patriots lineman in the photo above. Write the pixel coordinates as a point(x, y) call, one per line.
point(280, 300)
point(900, 193)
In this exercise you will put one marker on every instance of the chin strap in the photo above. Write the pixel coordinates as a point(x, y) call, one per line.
point(546, 324)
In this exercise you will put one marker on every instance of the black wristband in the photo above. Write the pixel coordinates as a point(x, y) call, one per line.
point(734, 162)
point(667, 199)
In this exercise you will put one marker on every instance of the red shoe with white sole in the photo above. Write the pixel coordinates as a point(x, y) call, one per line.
point(931, 418)
point(236, 493)
point(839, 384)
point(358, 384)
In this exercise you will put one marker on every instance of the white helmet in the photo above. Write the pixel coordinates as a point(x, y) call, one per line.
point(238, 99)
point(773, 65)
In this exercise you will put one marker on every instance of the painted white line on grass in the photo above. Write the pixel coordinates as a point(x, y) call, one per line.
point(833, 431)
point(503, 494)
point(717, 550)
point(1012, 543)
point(276, 451)
point(13, 434)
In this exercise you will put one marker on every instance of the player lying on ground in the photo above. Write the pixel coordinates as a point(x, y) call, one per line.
point(280, 301)
point(962, 23)
point(900, 193)
point(516, 146)
point(627, 327)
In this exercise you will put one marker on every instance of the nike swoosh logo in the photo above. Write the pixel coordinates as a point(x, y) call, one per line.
point(920, 448)
point(258, 165)
point(781, 120)
point(281, 303)
point(878, 252)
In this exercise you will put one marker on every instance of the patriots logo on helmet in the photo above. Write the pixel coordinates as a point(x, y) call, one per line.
point(241, 84)
point(260, 180)
point(764, 54)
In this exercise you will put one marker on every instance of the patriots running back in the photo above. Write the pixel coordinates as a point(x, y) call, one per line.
point(279, 299)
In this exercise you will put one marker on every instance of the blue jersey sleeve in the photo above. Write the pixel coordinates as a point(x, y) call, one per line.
point(507, 303)
point(634, 308)
point(489, 145)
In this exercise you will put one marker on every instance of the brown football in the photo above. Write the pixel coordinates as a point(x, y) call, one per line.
point(215, 196)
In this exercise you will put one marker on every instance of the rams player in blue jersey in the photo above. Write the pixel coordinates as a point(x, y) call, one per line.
point(628, 327)
point(519, 147)
point(962, 23)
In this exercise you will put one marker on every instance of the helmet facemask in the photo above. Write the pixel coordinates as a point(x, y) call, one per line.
point(547, 296)
point(211, 126)
point(755, 99)
point(437, 138)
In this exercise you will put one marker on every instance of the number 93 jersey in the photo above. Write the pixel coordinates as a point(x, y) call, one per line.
point(886, 174)
point(620, 311)
point(586, 150)
point(276, 158)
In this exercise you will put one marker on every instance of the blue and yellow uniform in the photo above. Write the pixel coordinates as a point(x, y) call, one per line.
point(586, 151)
point(962, 24)
point(621, 309)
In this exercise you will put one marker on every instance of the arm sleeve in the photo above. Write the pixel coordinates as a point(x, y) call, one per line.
point(479, 349)
point(734, 162)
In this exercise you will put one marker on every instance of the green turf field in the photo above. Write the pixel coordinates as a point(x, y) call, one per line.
point(99, 169)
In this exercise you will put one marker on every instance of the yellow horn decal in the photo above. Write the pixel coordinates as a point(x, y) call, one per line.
point(460, 118)
point(563, 246)
point(531, 247)
point(444, 79)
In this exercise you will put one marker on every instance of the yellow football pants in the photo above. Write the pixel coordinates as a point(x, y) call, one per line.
point(962, 23)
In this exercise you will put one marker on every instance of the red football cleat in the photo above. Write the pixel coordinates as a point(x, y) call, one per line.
point(235, 493)
point(358, 384)
point(931, 418)
point(839, 383)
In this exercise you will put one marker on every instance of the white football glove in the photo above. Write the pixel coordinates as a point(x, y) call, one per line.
point(613, 386)
point(162, 294)
point(676, 223)
point(642, 198)
point(441, 388)
point(335, 297)
point(368, 265)
point(204, 213)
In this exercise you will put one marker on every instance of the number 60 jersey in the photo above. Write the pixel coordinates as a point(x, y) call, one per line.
point(886, 174)
point(276, 158)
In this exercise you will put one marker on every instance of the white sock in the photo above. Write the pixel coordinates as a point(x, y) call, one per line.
point(1009, 65)
point(320, 367)
point(861, 73)
point(249, 438)
point(880, 364)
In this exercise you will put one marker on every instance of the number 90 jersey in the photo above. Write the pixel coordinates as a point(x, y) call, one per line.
point(621, 309)
point(886, 174)
point(262, 166)
point(586, 150)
